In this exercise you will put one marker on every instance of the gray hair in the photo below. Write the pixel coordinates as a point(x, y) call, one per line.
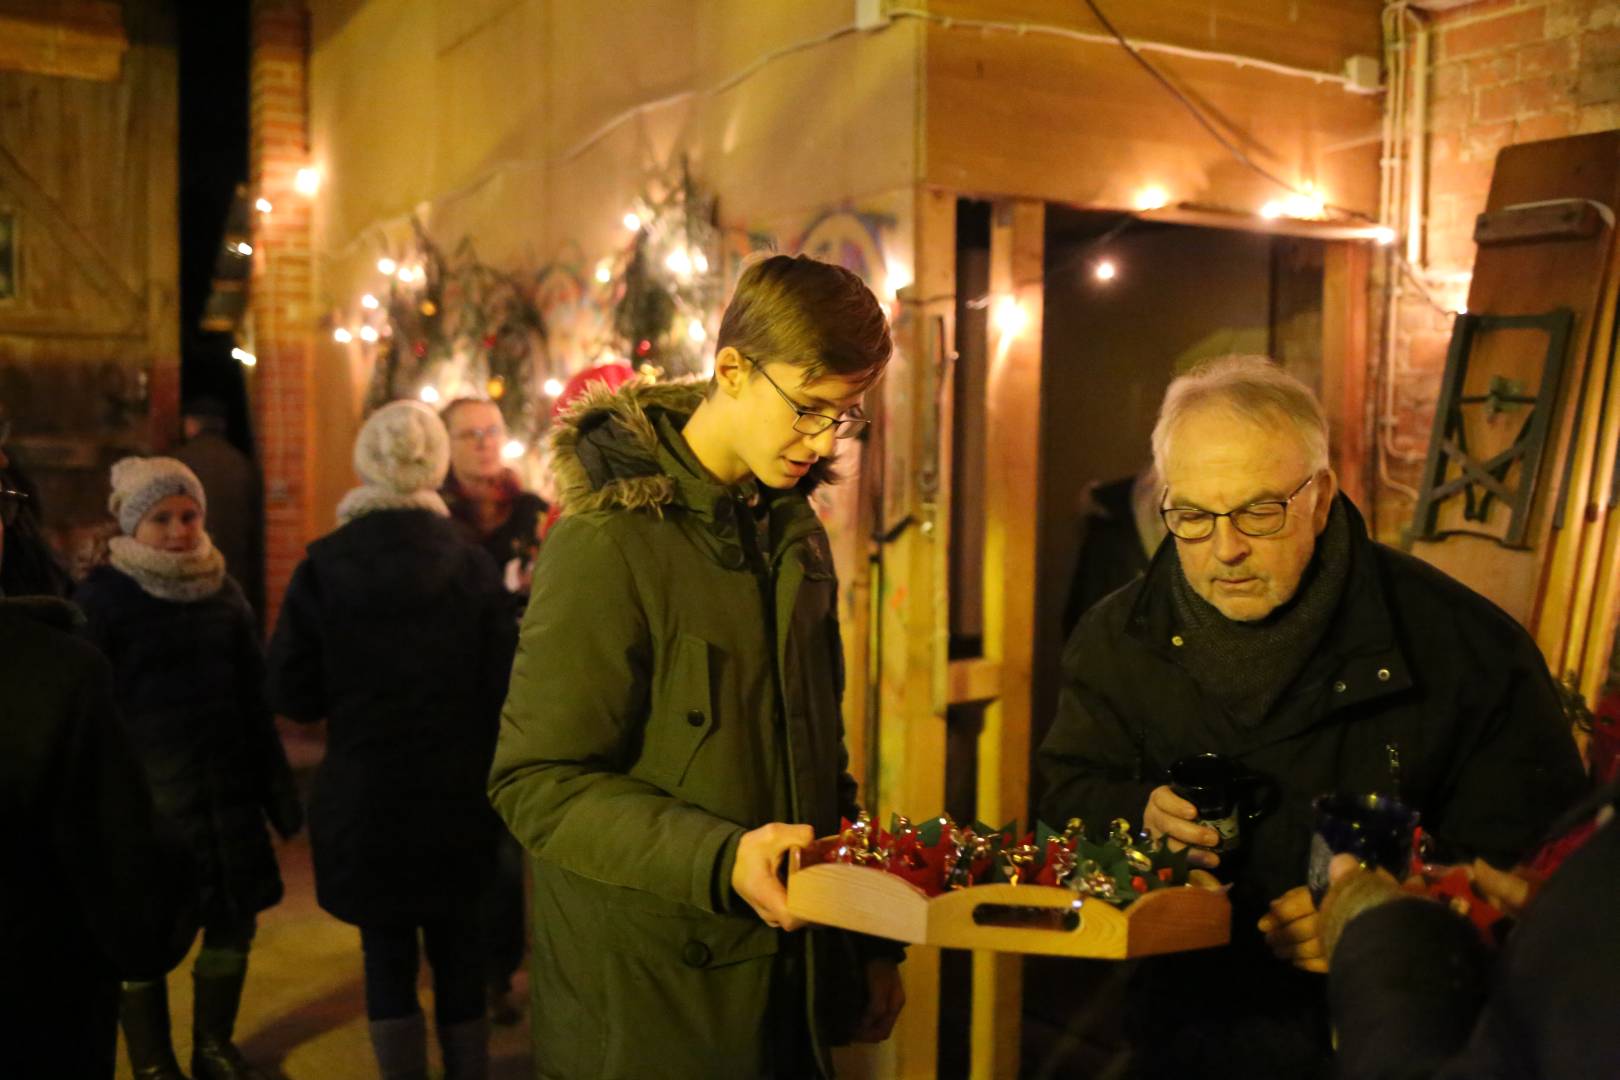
point(1254, 388)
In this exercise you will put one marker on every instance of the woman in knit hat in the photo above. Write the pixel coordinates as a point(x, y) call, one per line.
point(396, 630)
point(189, 674)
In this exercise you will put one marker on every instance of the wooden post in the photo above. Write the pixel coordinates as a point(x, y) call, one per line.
point(1013, 428)
point(1344, 363)
point(911, 612)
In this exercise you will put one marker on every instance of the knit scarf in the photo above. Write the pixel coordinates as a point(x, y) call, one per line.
point(1246, 666)
point(369, 498)
point(183, 576)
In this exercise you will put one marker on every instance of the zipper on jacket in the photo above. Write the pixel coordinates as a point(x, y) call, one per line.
point(1393, 755)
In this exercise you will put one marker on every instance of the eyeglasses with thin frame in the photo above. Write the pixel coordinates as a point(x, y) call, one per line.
point(11, 504)
point(810, 422)
point(477, 434)
point(1264, 518)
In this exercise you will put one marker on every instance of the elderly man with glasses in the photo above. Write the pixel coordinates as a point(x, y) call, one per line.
point(1272, 630)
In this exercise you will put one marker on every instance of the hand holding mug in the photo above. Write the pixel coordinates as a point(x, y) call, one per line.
point(1170, 816)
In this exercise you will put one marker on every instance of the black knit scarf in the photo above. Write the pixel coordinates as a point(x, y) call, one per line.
point(1246, 666)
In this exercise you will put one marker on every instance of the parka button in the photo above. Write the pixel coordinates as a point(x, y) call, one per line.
point(1177, 640)
point(1339, 687)
point(1383, 674)
point(732, 558)
point(695, 718)
point(695, 954)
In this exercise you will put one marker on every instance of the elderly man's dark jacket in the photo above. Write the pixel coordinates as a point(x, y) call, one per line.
point(1420, 687)
point(96, 886)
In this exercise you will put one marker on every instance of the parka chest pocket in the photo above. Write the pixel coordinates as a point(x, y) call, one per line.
point(685, 717)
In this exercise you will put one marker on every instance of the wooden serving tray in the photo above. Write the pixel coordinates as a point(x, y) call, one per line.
point(1011, 918)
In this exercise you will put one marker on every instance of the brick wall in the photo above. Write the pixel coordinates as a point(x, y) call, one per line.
point(1502, 72)
point(282, 286)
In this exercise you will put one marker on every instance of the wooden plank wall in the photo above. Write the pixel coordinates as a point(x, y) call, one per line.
point(89, 345)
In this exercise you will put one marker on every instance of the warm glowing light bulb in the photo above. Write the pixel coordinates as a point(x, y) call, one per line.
point(244, 248)
point(387, 266)
point(700, 262)
point(1106, 270)
point(369, 302)
point(632, 222)
point(553, 388)
point(247, 358)
point(1152, 197)
point(1462, 309)
point(262, 205)
point(1010, 316)
point(679, 263)
point(604, 272)
point(1383, 236)
point(696, 332)
point(307, 181)
point(368, 334)
point(429, 395)
point(342, 336)
point(512, 450)
point(1272, 210)
point(406, 275)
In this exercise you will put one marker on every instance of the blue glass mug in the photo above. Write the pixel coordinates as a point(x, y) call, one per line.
point(1376, 829)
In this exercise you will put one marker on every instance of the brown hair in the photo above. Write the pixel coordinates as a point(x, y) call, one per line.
point(816, 316)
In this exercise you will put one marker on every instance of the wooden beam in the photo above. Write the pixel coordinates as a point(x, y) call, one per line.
point(911, 613)
point(1012, 441)
point(971, 681)
point(1345, 363)
point(75, 39)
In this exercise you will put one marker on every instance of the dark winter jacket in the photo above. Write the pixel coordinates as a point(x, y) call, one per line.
point(514, 538)
point(1110, 553)
point(1420, 688)
point(97, 886)
point(396, 631)
point(1415, 994)
point(677, 683)
point(190, 686)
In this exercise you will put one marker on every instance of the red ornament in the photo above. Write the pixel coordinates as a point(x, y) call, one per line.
point(643, 347)
point(1166, 874)
point(489, 341)
point(1139, 883)
point(419, 347)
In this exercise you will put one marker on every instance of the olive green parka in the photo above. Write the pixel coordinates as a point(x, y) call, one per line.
point(677, 683)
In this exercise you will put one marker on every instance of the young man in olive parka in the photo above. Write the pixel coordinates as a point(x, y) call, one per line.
point(673, 724)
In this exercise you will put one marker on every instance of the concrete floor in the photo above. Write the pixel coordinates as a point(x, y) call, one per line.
point(303, 1011)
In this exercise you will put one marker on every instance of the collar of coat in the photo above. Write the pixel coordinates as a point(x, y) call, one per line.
point(1360, 657)
point(43, 609)
point(608, 455)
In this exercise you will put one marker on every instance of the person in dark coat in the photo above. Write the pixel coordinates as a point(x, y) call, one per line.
point(34, 568)
point(98, 887)
point(396, 630)
point(1416, 992)
point(673, 725)
point(235, 495)
point(486, 497)
point(190, 683)
point(1121, 531)
point(489, 502)
point(1275, 632)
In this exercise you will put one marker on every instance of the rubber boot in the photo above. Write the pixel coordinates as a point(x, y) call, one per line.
point(465, 1047)
point(143, 1011)
point(213, 1019)
point(401, 1047)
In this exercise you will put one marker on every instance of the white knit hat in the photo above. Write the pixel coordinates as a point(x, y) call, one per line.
point(403, 447)
point(138, 484)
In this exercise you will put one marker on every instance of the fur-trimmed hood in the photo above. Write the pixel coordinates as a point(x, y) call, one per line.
point(607, 453)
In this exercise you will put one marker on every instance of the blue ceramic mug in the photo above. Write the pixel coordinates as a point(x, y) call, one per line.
point(1376, 829)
